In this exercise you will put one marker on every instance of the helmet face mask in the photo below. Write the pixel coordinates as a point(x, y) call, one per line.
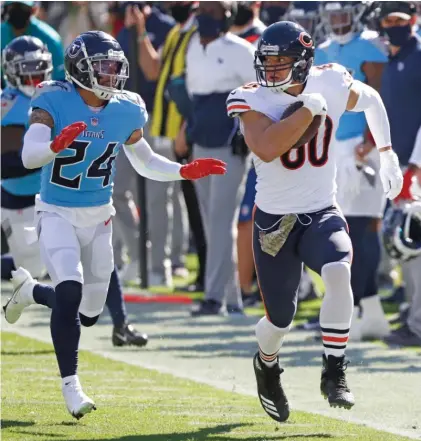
point(27, 63)
point(402, 231)
point(342, 20)
point(95, 62)
point(288, 41)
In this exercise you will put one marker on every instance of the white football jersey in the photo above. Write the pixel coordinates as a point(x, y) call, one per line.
point(303, 179)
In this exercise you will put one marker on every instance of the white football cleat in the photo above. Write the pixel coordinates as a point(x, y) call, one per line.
point(23, 284)
point(77, 402)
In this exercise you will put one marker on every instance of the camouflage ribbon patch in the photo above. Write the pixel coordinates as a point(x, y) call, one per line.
point(271, 243)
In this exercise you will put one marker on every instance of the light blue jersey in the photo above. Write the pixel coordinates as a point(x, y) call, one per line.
point(365, 47)
point(15, 108)
point(82, 175)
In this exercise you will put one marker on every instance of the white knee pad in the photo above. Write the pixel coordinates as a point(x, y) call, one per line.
point(94, 297)
point(337, 275)
point(60, 249)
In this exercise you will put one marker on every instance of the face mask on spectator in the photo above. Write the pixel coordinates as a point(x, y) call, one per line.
point(244, 15)
point(181, 12)
point(18, 15)
point(398, 35)
point(208, 26)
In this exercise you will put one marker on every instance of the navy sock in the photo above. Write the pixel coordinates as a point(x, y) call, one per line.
point(44, 295)
point(7, 266)
point(115, 301)
point(65, 326)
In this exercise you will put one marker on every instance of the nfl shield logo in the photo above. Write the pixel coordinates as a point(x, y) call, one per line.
point(94, 121)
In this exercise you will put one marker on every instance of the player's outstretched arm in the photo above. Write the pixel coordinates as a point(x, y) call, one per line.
point(38, 150)
point(153, 166)
point(363, 98)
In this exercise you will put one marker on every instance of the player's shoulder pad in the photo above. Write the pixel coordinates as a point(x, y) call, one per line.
point(334, 74)
point(132, 97)
point(241, 100)
point(8, 99)
point(8, 95)
point(51, 86)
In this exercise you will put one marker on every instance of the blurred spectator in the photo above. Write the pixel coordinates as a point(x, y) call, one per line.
point(167, 66)
point(164, 127)
point(307, 15)
point(115, 17)
point(217, 62)
point(19, 19)
point(401, 93)
point(71, 18)
point(247, 25)
point(158, 25)
point(271, 12)
point(362, 200)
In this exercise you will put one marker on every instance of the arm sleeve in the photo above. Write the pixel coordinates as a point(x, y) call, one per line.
point(416, 153)
point(151, 165)
point(36, 150)
point(371, 104)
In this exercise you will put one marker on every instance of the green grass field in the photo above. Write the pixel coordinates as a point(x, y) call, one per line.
point(135, 404)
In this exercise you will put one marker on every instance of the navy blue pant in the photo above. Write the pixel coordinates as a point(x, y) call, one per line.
point(366, 244)
point(323, 240)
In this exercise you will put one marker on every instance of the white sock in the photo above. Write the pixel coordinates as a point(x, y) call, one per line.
point(270, 339)
point(71, 379)
point(337, 308)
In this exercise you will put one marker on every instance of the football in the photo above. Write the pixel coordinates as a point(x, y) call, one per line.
point(311, 129)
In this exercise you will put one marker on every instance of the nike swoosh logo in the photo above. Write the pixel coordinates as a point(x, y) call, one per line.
point(107, 222)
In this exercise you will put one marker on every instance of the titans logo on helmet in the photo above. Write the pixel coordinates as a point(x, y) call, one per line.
point(74, 49)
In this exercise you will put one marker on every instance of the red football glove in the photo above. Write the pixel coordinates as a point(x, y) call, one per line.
point(201, 168)
point(405, 194)
point(67, 136)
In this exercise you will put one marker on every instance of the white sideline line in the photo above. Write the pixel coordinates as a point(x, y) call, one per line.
point(196, 377)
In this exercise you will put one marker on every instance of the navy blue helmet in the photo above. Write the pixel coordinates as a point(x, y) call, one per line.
point(96, 62)
point(26, 63)
point(401, 231)
point(286, 39)
point(343, 19)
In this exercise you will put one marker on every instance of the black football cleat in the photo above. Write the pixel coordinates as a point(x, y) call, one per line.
point(269, 388)
point(333, 385)
point(127, 335)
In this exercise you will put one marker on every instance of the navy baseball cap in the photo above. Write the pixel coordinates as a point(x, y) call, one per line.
point(404, 10)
